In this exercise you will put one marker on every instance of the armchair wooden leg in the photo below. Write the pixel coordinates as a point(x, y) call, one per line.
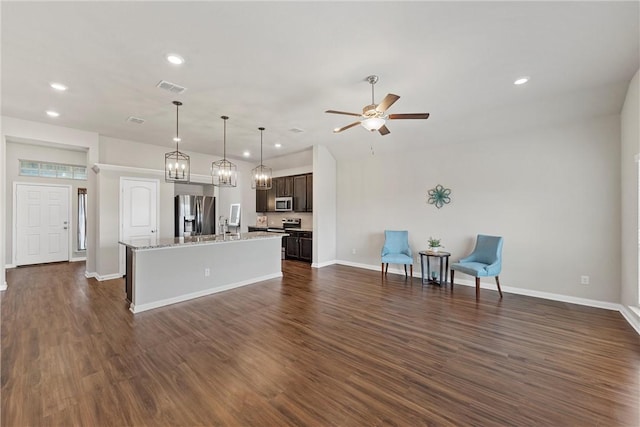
point(498, 283)
point(386, 268)
point(452, 280)
point(411, 270)
point(405, 271)
point(477, 288)
point(382, 270)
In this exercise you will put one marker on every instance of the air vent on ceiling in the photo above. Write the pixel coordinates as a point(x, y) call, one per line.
point(136, 120)
point(296, 130)
point(171, 87)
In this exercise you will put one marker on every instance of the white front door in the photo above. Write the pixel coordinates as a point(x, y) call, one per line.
point(138, 211)
point(41, 223)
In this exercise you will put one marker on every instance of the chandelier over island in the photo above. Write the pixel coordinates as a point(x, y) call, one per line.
point(261, 175)
point(223, 172)
point(177, 166)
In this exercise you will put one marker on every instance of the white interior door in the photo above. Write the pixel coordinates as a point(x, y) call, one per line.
point(41, 223)
point(138, 211)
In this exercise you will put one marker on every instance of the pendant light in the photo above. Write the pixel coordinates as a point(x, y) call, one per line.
point(261, 174)
point(177, 167)
point(223, 172)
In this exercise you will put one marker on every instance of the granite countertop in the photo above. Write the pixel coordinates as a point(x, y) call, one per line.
point(156, 243)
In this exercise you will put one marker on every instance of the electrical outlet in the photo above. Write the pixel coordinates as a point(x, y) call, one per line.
point(584, 280)
point(353, 251)
point(207, 272)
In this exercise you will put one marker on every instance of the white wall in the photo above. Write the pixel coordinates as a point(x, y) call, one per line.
point(553, 194)
point(16, 151)
point(630, 137)
point(34, 132)
point(324, 207)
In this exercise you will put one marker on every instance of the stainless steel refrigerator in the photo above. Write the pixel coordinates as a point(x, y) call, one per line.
point(195, 215)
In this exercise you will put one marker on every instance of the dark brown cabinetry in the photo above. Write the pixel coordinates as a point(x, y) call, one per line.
point(303, 193)
point(299, 245)
point(266, 200)
point(262, 200)
point(309, 193)
point(284, 186)
point(299, 187)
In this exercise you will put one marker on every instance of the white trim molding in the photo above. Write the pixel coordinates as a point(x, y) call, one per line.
point(78, 259)
point(3, 287)
point(97, 167)
point(632, 316)
point(323, 264)
point(8, 266)
point(99, 278)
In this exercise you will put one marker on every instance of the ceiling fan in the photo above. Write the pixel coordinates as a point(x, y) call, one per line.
point(373, 116)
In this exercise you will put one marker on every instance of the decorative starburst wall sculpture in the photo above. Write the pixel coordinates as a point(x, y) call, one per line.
point(439, 196)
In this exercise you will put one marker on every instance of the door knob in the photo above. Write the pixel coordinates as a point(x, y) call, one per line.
point(153, 231)
point(65, 227)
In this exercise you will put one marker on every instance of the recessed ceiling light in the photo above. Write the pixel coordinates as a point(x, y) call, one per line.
point(278, 145)
point(175, 59)
point(521, 80)
point(246, 153)
point(51, 113)
point(58, 86)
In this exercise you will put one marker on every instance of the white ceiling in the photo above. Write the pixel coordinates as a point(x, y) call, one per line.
point(282, 64)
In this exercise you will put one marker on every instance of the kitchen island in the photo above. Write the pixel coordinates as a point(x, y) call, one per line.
point(171, 270)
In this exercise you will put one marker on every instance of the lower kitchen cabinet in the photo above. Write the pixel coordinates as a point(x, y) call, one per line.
point(299, 245)
point(306, 249)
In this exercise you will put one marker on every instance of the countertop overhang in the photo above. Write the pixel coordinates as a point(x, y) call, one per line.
point(158, 243)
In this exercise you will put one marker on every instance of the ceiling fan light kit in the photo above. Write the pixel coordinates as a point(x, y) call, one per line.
point(177, 165)
point(373, 115)
point(223, 172)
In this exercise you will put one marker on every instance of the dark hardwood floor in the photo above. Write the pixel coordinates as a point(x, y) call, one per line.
point(328, 347)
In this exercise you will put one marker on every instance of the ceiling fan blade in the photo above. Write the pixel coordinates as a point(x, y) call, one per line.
point(336, 130)
point(408, 116)
point(387, 102)
point(384, 130)
point(343, 112)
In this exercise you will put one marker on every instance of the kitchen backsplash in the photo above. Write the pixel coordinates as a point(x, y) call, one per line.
point(275, 219)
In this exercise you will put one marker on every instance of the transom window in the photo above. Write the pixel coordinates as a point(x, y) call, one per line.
point(52, 170)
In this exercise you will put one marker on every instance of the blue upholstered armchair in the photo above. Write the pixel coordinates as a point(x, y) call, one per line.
point(484, 261)
point(396, 250)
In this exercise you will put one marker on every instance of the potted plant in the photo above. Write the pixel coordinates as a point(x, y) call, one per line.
point(434, 244)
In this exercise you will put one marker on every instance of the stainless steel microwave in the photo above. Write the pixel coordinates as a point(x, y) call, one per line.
point(284, 204)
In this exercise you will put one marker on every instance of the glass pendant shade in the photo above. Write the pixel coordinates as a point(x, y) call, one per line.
point(373, 123)
point(177, 166)
point(223, 172)
point(261, 177)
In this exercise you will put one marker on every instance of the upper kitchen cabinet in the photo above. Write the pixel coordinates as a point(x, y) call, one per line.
point(262, 201)
point(266, 200)
point(284, 186)
point(299, 187)
point(303, 193)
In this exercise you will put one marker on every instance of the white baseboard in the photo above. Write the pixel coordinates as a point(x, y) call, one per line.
point(8, 266)
point(3, 287)
point(100, 278)
point(626, 313)
point(156, 304)
point(416, 273)
point(78, 259)
point(631, 317)
point(322, 264)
